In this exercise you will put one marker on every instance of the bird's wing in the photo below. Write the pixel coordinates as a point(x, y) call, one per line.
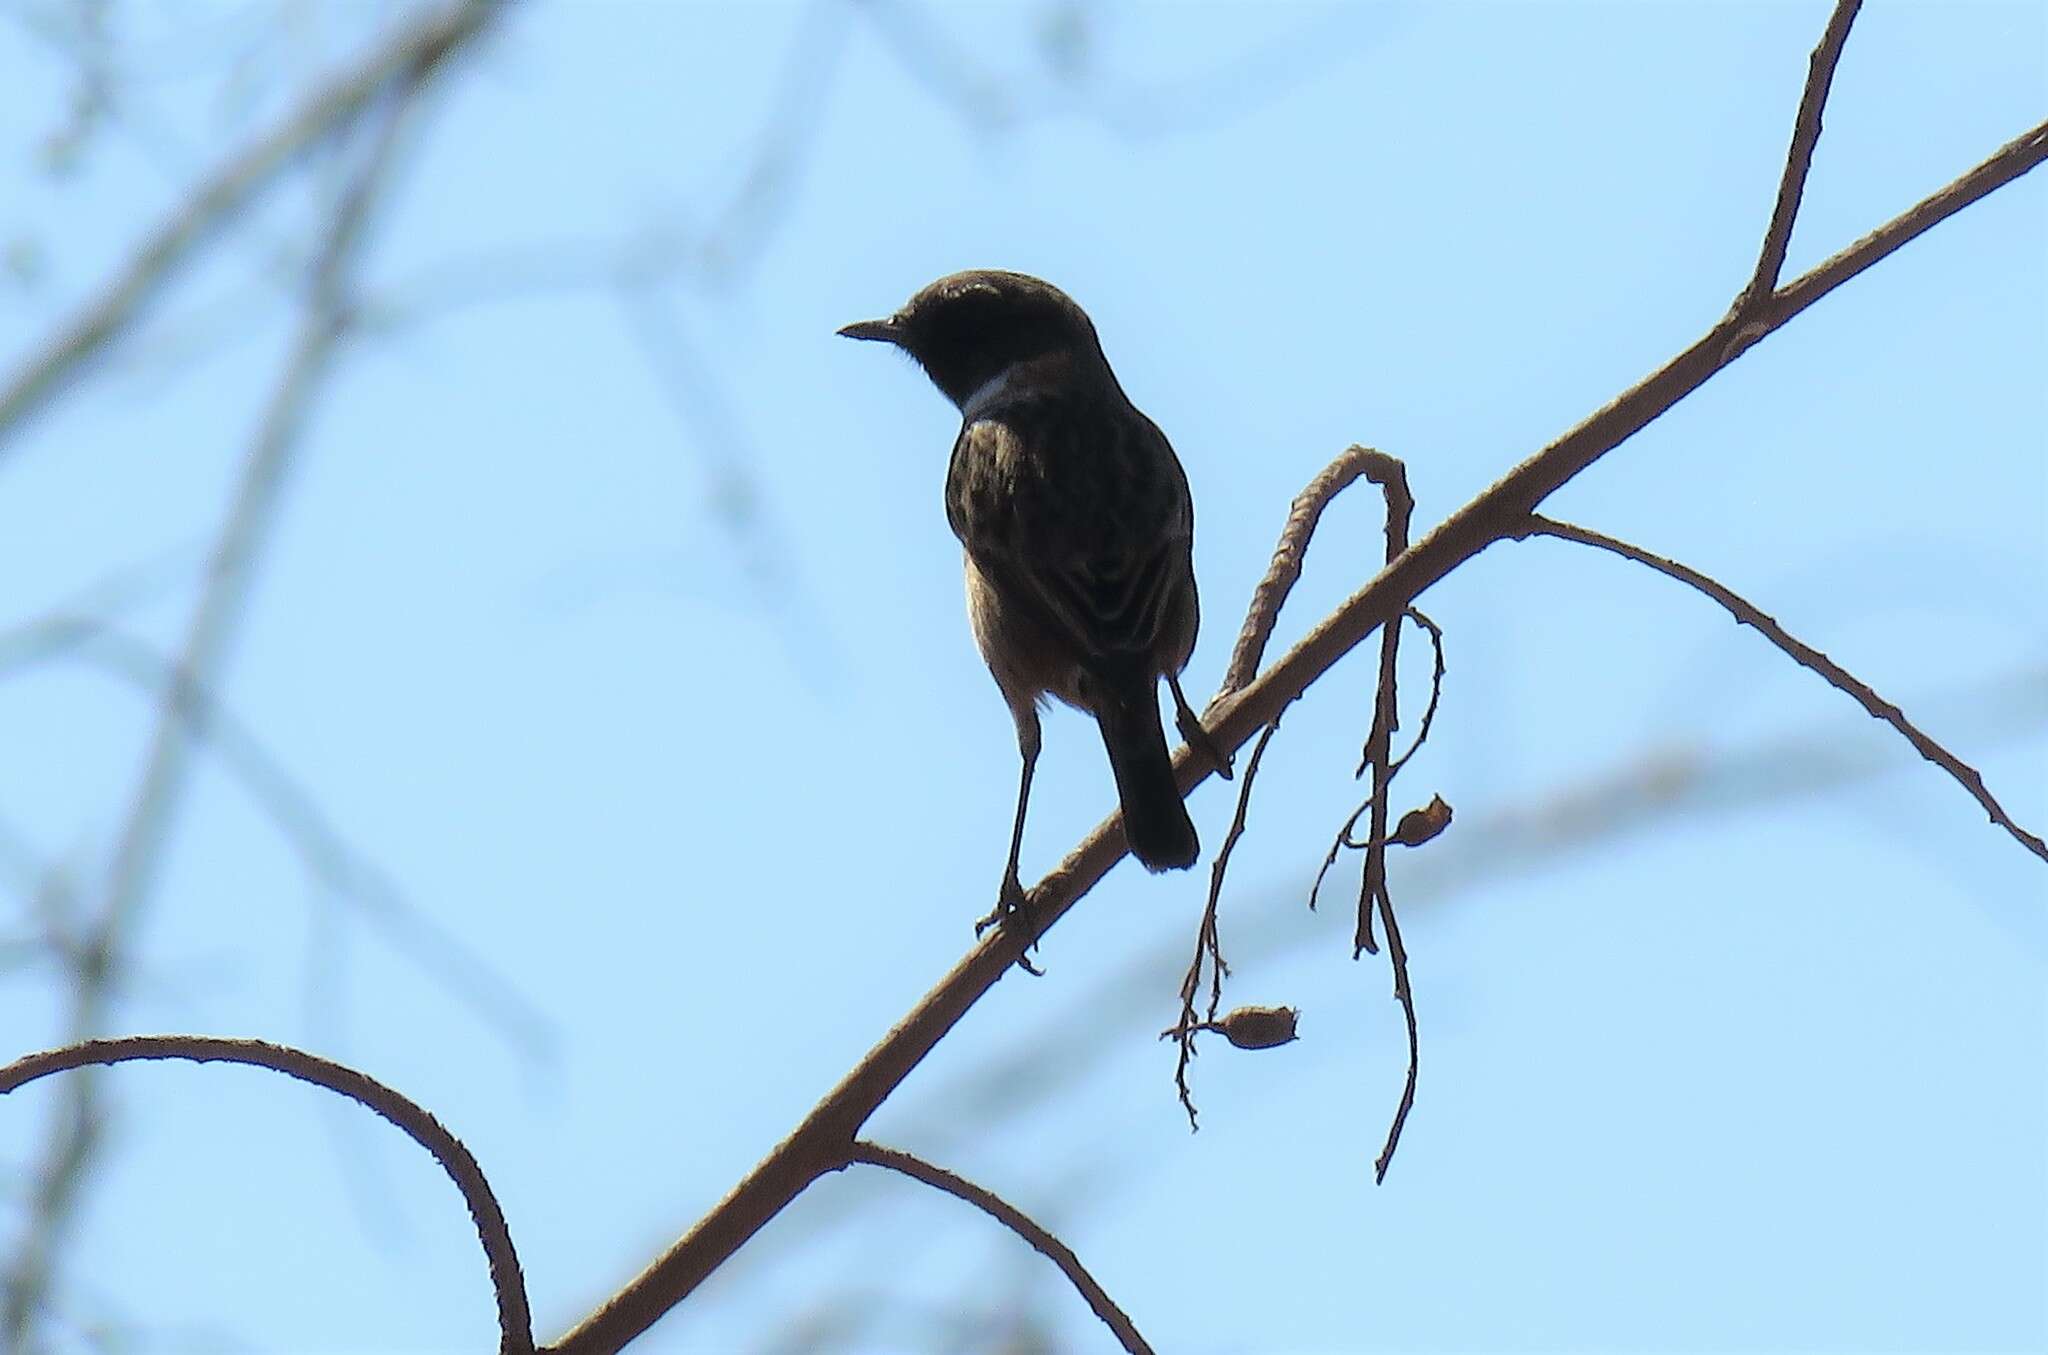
point(1093, 543)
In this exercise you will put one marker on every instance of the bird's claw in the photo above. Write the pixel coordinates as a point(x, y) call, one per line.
point(1012, 903)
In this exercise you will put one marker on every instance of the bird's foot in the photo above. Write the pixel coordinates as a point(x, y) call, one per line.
point(1203, 742)
point(1013, 908)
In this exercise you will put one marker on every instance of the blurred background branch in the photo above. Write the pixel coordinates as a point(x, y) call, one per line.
point(407, 60)
point(393, 85)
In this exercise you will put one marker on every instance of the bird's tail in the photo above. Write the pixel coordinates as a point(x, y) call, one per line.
point(1156, 823)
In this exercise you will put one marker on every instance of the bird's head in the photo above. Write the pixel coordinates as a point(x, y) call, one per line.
point(969, 328)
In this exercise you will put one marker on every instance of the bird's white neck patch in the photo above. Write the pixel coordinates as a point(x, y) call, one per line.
point(982, 396)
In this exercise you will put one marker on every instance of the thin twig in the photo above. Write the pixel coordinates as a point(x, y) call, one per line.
point(1436, 689)
point(1207, 943)
point(1374, 895)
point(1392, 478)
point(1342, 840)
point(1345, 836)
point(1397, 958)
point(1820, 77)
point(1018, 1222)
point(1806, 656)
point(515, 1321)
point(407, 58)
point(816, 1145)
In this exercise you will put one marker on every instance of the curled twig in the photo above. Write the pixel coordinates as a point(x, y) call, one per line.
point(1268, 597)
point(1285, 570)
point(1806, 656)
point(1436, 690)
point(515, 1320)
point(1018, 1222)
point(1342, 840)
point(1346, 836)
point(1207, 945)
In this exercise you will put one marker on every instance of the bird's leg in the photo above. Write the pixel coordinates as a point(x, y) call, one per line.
point(1011, 901)
point(1191, 729)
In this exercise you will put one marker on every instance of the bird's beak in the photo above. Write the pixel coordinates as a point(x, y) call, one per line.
point(888, 331)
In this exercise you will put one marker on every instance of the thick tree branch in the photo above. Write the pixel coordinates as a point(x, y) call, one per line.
point(1018, 1222)
point(515, 1322)
point(822, 1141)
point(1806, 656)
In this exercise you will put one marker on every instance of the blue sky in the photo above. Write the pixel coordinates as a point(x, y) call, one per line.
point(620, 627)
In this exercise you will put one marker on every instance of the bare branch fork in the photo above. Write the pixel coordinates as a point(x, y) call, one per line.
point(1820, 78)
point(823, 1140)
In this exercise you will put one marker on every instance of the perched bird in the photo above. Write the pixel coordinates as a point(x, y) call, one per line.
point(1078, 532)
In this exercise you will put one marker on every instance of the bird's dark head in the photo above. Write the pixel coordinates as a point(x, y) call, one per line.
point(967, 329)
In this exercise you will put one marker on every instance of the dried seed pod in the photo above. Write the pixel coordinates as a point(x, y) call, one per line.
point(1418, 826)
point(1259, 1027)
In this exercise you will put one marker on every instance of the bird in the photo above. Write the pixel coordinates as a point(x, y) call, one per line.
point(1077, 531)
